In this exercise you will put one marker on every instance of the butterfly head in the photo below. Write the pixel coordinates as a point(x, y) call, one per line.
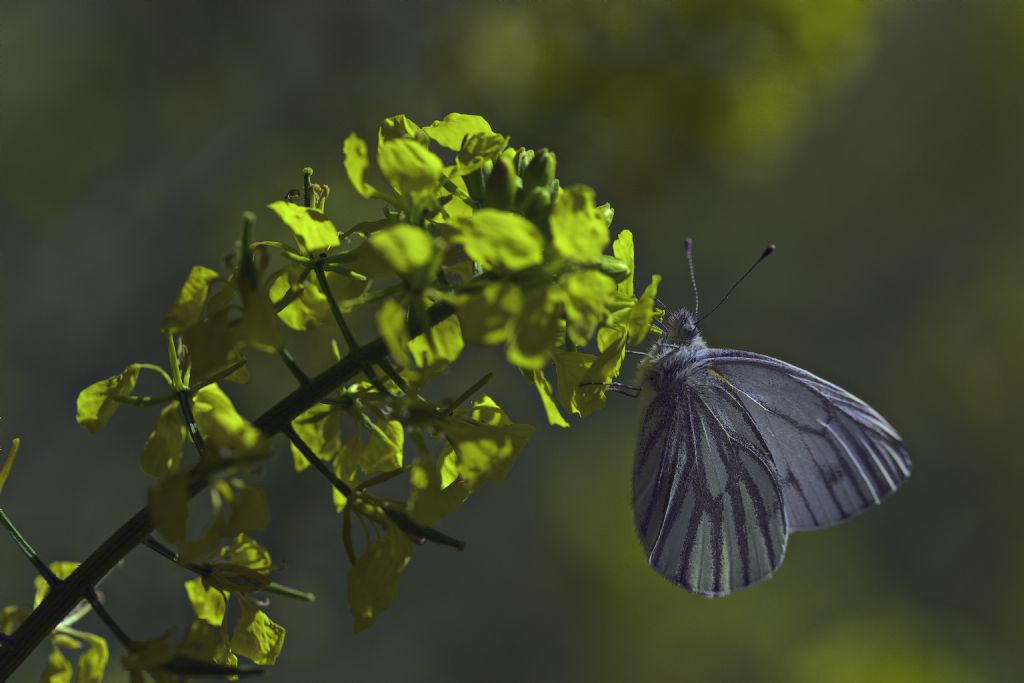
point(681, 328)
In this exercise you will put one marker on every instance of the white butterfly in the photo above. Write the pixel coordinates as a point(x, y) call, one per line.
point(737, 450)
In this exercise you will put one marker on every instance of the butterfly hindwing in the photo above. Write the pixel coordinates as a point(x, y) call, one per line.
point(835, 455)
point(708, 508)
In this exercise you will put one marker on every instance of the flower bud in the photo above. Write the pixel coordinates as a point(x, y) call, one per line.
point(616, 269)
point(501, 185)
point(523, 158)
point(540, 171)
point(475, 184)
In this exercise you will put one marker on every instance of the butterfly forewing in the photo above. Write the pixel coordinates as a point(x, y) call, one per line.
point(834, 455)
point(709, 511)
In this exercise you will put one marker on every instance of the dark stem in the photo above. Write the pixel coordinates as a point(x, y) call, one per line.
point(321, 467)
point(62, 599)
point(325, 287)
point(307, 186)
point(418, 532)
point(293, 366)
point(204, 570)
point(465, 395)
point(185, 401)
point(44, 571)
point(106, 618)
point(350, 340)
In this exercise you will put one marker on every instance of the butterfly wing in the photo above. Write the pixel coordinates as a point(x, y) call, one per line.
point(708, 509)
point(834, 454)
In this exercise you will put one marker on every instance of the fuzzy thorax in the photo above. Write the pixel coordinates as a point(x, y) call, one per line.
point(670, 355)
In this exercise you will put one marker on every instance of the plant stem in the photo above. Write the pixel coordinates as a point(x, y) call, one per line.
point(343, 488)
point(72, 590)
point(307, 186)
point(101, 611)
point(218, 376)
point(51, 579)
point(292, 365)
point(465, 395)
point(325, 287)
point(185, 401)
point(350, 340)
point(41, 567)
point(204, 570)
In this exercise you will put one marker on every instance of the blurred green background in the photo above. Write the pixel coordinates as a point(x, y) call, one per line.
point(878, 143)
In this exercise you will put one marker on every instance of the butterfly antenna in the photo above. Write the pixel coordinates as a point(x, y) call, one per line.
point(693, 276)
point(765, 254)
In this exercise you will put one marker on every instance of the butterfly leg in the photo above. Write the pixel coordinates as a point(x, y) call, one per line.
point(617, 387)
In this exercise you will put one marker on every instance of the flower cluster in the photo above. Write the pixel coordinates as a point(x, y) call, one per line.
point(479, 244)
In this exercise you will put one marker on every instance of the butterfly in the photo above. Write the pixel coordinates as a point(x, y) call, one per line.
point(737, 450)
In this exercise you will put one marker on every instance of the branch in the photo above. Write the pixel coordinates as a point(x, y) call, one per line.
point(65, 596)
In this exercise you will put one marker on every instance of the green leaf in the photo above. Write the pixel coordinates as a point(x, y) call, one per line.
point(450, 131)
point(477, 150)
point(207, 643)
point(311, 308)
point(212, 345)
point(63, 639)
point(213, 342)
point(578, 230)
point(58, 668)
point(439, 347)
point(622, 247)
point(406, 248)
point(246, 510)
point(585, 295)
point(501, 240)
point(638, 320)
point(188, 308)
point(209, 604)
point(487, 315)
point(456, 208)
point(313, 232)
point(383, 448)
point(373, 578)
point(223, 428)
point(535, 330)
point(320, 428)
point(148, 655)
point(162, 453)
point(394, 330)
point(485, 442)
point(247, 552)
point(249, 512)
point(576, 371)
point(92, 663)
point(446, 464)
point(540, 382)
point(168, 507)
point(97, 403)
point(400, 127)
point(409, 167)
point(432, 498)
point(256, 636)
point(356, 162)
point(258, 327)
